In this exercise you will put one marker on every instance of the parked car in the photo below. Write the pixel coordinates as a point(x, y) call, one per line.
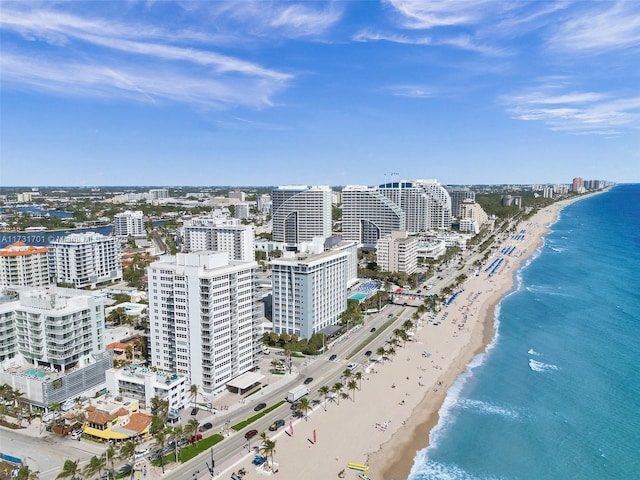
point(76, 435)
point(194, 410)
point(259, 407)
point(308, 380)
point(205, 426)
point(250, 434)
point(368, 353)
point(276, 425)
point(141, 453)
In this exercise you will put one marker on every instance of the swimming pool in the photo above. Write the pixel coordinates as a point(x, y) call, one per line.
point(358, 296)
point(35, 373)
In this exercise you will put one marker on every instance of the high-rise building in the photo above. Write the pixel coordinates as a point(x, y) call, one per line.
point(264, 204)
point(459, 195)
point(158, 193)
point(58, 328)
point(426, 203)
point(310, 289)
point(129, 223)
point(368, 215)
point(202, 310)
point(398, 252)
point(85, 259)
point(301, 213)
point(220, 234)
point(577, 185)
point(22, 264)
point(469, 209)
point(237, 195)
point(412, 205)
point(241, 210)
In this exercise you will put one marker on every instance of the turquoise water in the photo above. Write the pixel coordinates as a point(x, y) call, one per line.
point(557, 395)
point(35, 373)
point(358, 296)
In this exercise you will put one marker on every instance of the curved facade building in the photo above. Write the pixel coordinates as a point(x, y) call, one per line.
point(301, 213)
point(367, 215)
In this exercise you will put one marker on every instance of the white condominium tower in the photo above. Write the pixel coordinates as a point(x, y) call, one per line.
point(220, 234)
point(459, 195)
point(85, 259)
point(58, 328)
point(426, 203)
point(201, 309)
point(310, 290)
point(411, 205)
point(22, 264)
point(368, 215)
point(301, 213)
point(129, 223)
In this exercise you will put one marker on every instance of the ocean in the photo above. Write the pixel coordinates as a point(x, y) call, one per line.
point(557, 393)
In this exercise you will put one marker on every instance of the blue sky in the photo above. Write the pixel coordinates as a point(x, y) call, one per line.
point(330, 93)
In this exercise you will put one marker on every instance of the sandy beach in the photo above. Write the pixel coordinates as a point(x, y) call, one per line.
point(385, 422)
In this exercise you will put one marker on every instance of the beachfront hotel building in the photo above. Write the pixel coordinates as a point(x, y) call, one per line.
point(397, 252)
point(310, 289)
point(85, 259)
point(470, 210)
point(411, 205)
point(52, 342)
point(459, 195)
point(22, 264)
point(368, 215)
point(301, 213)
point(202, 315)
point(129, 223)
point(220, 234)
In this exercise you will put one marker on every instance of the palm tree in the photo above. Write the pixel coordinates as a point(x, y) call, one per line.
point(381, 351)
point(25, 473)
point(304, 405)
point(177, 432)
point(109, 459)
point(193, 391)
point(358, 377)
point(391, 351)
point(268, 449)
point(191, 428)
point(337, 388)
point(127, 452)
point(160, 407)
point(69, 469)
point(159, 444)
point(347, 374)
point(95, 465)
point(353, 385)
point(324, 391)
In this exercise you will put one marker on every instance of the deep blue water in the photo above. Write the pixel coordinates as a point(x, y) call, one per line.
point(42, 211)
point(557, 395)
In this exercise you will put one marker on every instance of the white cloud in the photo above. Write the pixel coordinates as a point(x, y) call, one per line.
point(413, 91)
point(576, 112)
point(603, 26)
point(134, 82)
point(129, 60)
point(426, 14)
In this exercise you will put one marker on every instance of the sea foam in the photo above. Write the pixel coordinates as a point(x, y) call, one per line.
point(540, 366)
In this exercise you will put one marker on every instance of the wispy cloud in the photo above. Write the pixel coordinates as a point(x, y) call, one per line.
point(131, 61)
point(421, 14)
point(600, 27)
point(134, 82)
point(413, 91)
point(576, 112)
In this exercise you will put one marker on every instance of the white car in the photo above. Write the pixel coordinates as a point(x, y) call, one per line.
point(141, 453)
point(76, 435)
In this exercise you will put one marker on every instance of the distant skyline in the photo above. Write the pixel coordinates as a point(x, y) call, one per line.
point(318, 93)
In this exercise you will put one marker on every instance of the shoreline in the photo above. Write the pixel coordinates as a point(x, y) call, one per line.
point(395, 459)
point(385, 422)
